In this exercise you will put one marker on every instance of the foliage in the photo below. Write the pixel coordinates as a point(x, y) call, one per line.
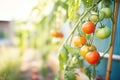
point(73, 6)
point(10, 67)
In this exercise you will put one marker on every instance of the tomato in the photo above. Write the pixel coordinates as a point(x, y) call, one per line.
point(94, 17)
point(78, 41)
point(53, 33)
point(85, 49)
point(107, 11)
point(60, 35)
point(103, 32)
point(35, 77)
point(88, 27)
point(92, 57)
point(101, 15)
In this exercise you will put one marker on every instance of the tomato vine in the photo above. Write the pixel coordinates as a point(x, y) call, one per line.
point(69, 57)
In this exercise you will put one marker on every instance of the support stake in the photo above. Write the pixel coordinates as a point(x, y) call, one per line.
point(113, 39)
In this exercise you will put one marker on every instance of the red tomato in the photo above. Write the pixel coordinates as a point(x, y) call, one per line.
point(88, 27)
point(92, 57)
point(60, 35)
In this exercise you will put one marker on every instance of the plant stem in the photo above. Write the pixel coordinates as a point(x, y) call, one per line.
point(79, 20)
point(94, 72)
point(112, 21)
point(76, 25)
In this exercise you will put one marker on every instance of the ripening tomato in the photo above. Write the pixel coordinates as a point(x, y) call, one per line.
point(85, 49)
point(60, 35)
point(88, 27)
point(92, 57)
point(103, 32)
point(107, 11)
point(78, 41)
point(53, 33)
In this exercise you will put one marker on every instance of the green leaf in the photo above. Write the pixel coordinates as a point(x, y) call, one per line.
point(73, 6)
point(87, 71)
point(63, 57)
point(77, 62)
point(107, 2)
point(80, 62)
point(69, 75)
point(61, 64)
point(72, 50)
point(88, 3)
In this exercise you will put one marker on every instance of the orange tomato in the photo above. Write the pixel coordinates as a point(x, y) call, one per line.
point(54, 33)
point(78, 41)
point(88, 27)
point(92, 57)
point(85, 49)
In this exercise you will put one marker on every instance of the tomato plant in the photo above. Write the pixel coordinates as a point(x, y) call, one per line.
point(103, 32)
point(92, 57)
point(88, 27)
point(79, 41)
point(81, 48)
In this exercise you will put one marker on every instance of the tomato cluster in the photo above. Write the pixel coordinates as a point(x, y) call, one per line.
point(89, 51)
point(56, 34)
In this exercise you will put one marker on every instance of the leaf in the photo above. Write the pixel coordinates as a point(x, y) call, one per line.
point(69, 75)
point(73, 6)
point(80, 62)
point(88, 3)
point(76, 62)
point(72, 50)
point(63, 57)
point(87, 71)
point(61, 62)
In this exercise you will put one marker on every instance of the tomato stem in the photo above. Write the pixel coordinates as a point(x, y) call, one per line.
point(109, 41)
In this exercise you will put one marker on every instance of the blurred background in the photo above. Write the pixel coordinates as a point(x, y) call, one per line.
point(31, 31)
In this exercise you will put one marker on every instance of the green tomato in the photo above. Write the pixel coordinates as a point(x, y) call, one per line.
point(103, 32)
point(107, 11)
point(101, 15)
point(94, 16)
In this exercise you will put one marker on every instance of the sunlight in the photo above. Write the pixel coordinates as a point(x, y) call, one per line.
point(15, 9)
